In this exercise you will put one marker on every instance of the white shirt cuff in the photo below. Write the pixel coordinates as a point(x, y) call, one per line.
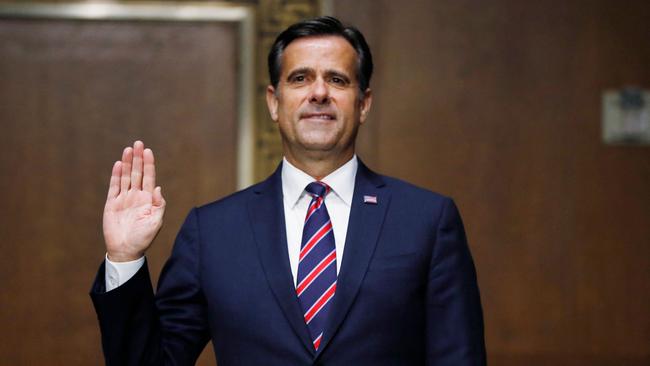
point(117, 273)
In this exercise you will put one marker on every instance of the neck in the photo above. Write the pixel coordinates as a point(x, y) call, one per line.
point(319, 167)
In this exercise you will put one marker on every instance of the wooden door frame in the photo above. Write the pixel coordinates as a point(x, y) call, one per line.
point(215, 12)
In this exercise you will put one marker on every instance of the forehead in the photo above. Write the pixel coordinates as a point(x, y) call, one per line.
point(319, 53)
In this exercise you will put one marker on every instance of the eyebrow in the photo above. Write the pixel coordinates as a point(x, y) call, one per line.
point(301, 70)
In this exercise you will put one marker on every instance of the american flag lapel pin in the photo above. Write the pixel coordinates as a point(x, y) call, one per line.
point(370, 200)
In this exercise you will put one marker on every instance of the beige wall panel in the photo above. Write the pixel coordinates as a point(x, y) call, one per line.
point(498, 105)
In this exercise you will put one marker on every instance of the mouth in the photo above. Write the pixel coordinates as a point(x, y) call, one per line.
point(318, 116)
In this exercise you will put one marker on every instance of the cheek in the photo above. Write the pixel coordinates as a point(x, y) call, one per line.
point(290, 108)
point(349, 113)
point(347, 103)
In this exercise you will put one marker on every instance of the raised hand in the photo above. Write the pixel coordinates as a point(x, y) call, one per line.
point(134, 206)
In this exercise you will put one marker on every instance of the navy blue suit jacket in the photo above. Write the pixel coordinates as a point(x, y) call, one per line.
point(406, 292)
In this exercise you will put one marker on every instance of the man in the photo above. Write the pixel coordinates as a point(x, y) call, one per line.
point(325, 262)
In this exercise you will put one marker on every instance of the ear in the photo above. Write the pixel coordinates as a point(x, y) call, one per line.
point(365, 104)
point(272, 102)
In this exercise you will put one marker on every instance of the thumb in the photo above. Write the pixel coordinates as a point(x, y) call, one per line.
point(158, 200)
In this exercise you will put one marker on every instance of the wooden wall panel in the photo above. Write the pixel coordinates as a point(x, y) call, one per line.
point(498, 105)
point(72, 95)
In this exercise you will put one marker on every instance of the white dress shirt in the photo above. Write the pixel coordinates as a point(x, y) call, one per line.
point(295, 200)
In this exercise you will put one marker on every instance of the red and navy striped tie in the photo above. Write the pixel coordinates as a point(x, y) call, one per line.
point(317, 263)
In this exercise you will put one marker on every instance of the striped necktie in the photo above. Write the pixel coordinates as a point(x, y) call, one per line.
point(317, 263)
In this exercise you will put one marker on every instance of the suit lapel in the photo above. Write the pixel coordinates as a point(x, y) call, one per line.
point(266, 212)
point(365, 223)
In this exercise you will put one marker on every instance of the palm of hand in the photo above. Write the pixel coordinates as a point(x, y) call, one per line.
point(131, 221)
point(134, 207)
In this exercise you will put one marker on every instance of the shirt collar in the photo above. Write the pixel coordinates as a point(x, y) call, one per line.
point(341, 181)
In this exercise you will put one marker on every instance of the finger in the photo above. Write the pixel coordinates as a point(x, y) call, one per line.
point(114, 184)
point(157, 198)
point(149, 179)
point(136, 169)
point(127, 159)
point(158, 205)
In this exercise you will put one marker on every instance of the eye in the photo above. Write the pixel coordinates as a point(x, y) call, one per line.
point(338, 80)
point(299, 78)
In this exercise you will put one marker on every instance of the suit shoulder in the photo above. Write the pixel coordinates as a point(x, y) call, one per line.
point(228, 203)
point(410, 200)
point(410, 191)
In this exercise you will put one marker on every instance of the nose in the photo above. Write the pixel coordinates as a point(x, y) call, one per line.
point(319, 92)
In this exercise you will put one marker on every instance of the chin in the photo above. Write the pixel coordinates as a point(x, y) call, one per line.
point(319, 141)
point(315, 147)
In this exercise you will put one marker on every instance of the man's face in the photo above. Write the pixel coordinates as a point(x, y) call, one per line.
point(317, 104)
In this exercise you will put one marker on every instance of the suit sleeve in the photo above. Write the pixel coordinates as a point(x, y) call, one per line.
point(169, 328)
point(454, 315)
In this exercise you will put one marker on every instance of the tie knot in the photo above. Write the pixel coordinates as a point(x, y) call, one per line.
point(317, 189)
